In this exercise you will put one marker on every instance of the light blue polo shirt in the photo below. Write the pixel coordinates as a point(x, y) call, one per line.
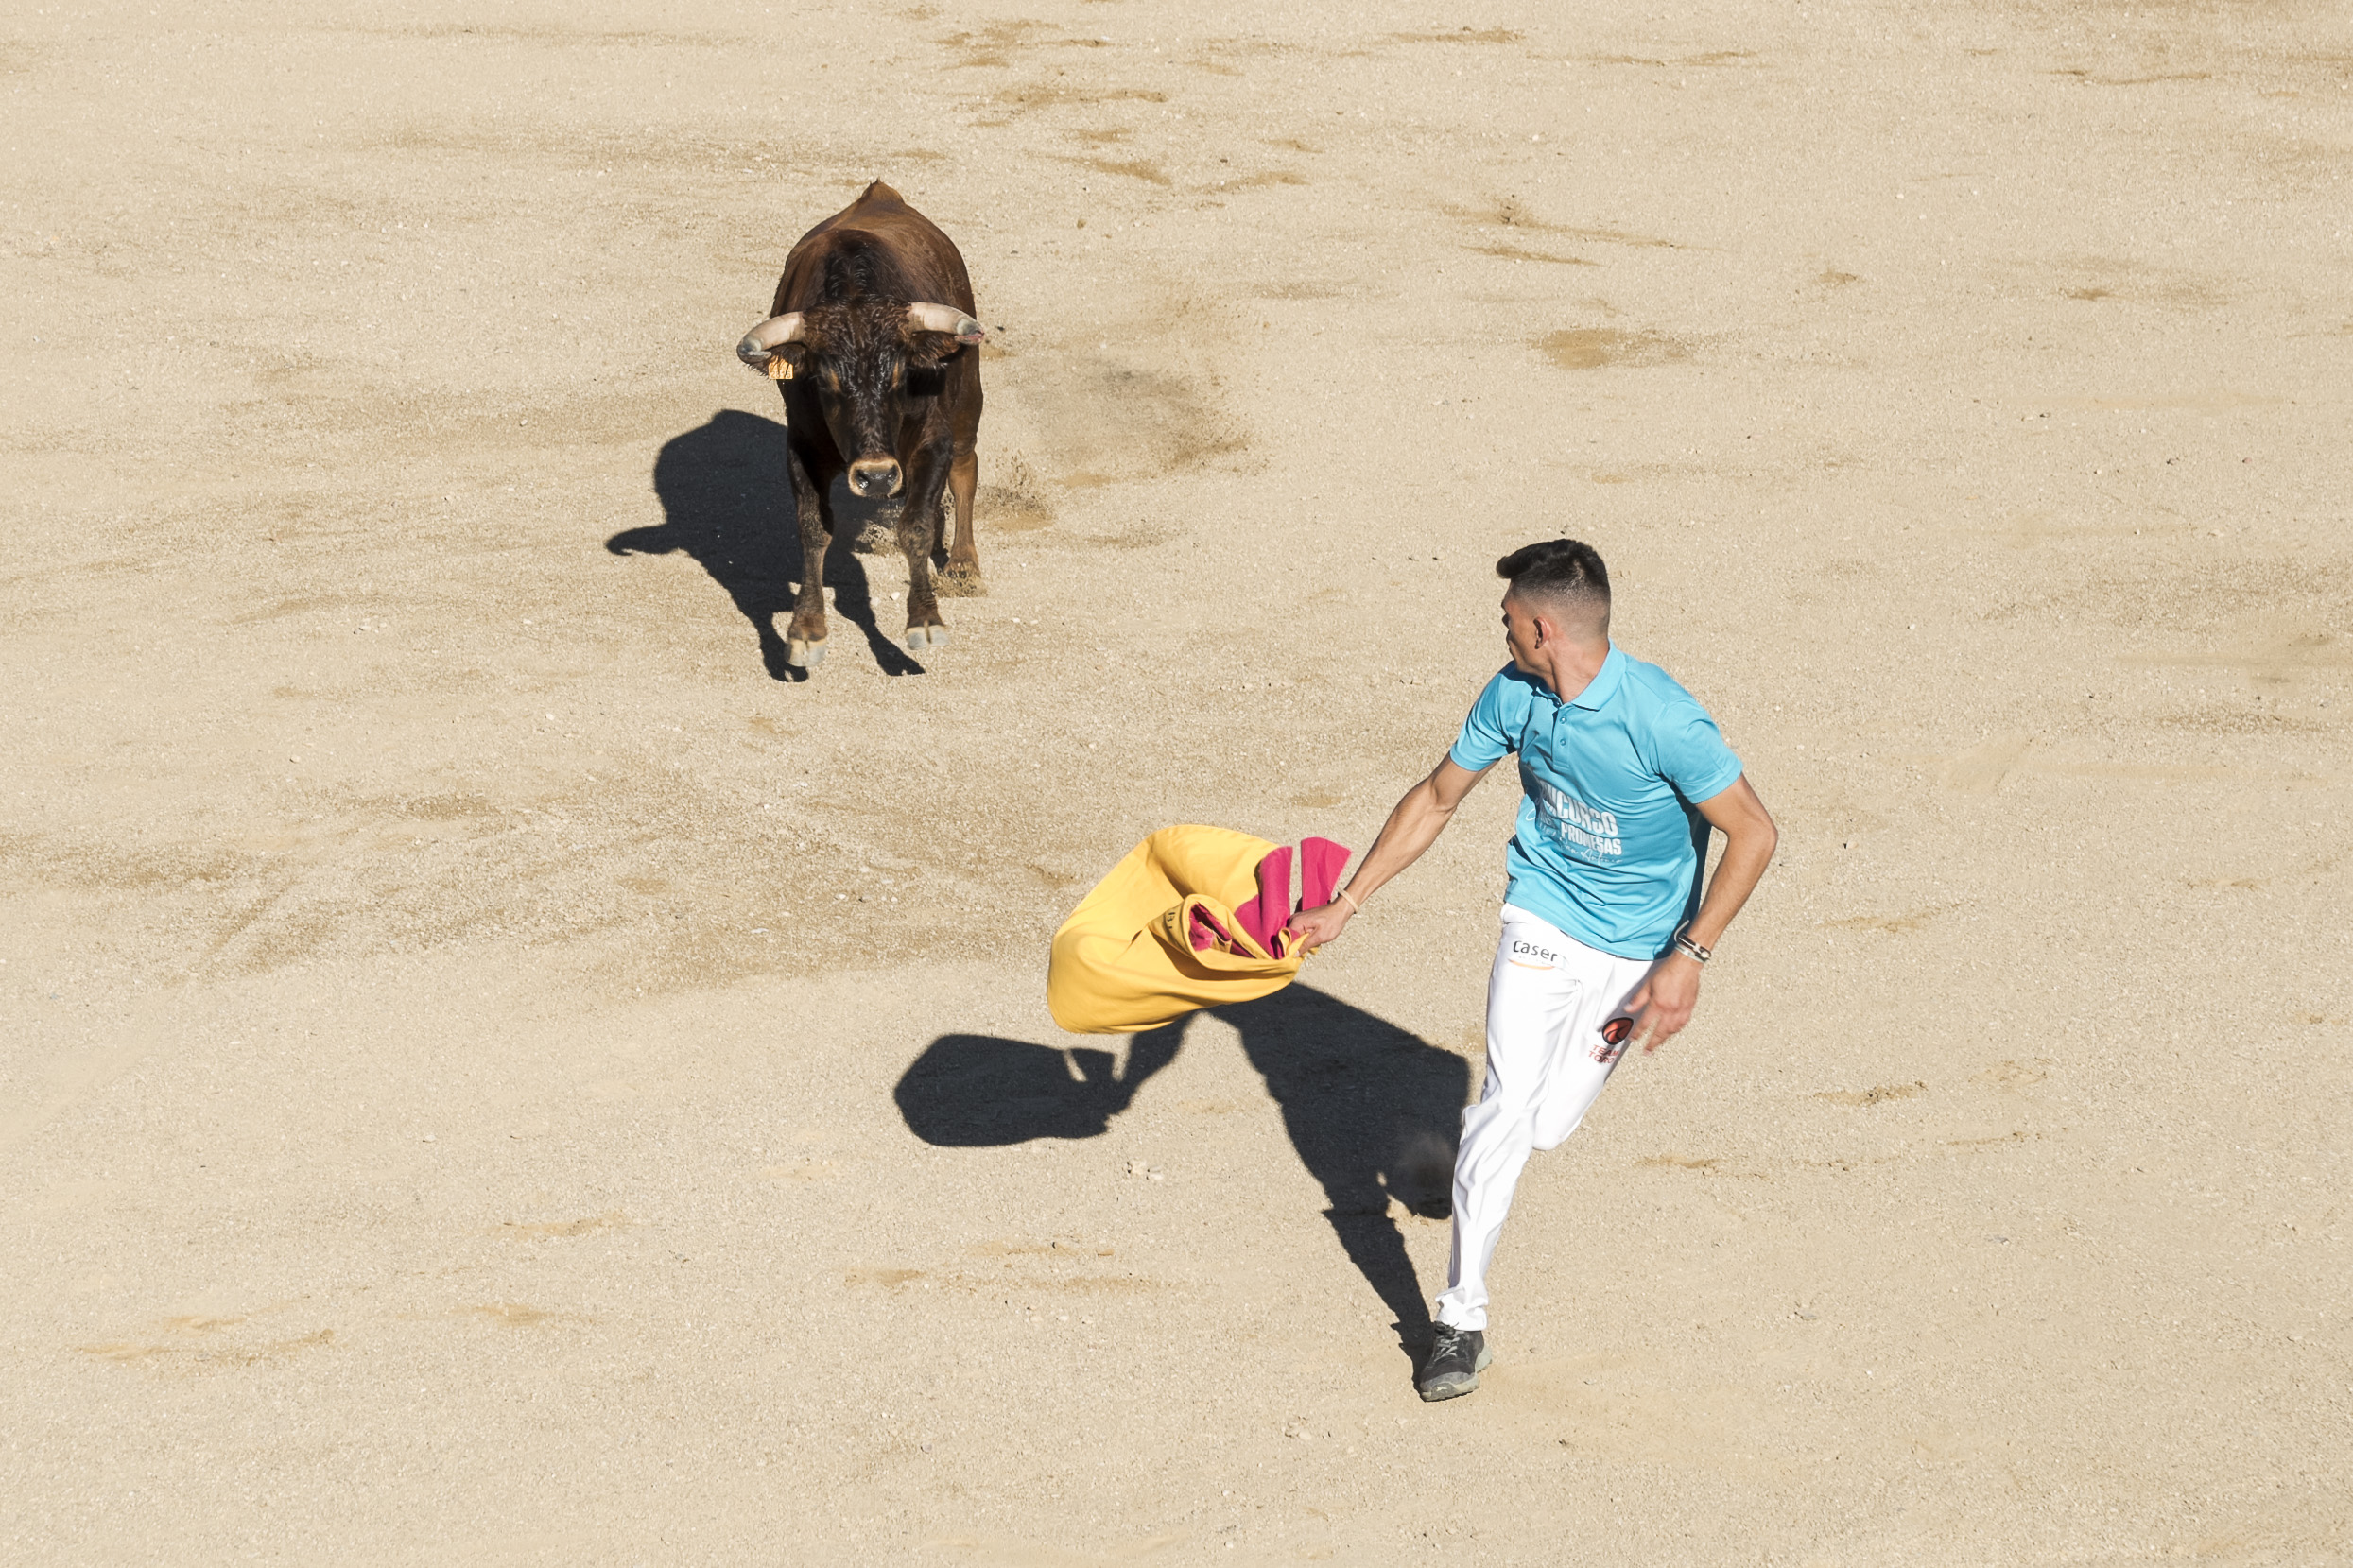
point(1610, 842)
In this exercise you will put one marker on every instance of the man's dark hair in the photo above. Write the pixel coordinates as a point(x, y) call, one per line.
point(1559, 570)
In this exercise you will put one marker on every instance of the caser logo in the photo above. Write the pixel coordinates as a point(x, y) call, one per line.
point(1529, 950)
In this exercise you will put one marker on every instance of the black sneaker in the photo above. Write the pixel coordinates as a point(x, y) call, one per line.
point(1457, 1356)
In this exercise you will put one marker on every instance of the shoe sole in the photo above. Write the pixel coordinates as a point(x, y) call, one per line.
point(1433, 1392)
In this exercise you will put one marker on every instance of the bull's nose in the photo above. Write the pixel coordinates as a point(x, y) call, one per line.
point(874, 476)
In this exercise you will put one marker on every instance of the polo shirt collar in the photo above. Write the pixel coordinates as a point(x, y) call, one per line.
point(1602, 687)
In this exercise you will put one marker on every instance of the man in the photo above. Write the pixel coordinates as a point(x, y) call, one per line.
point(1605, 930)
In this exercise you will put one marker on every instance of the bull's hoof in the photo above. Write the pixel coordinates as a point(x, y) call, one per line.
point(921, 637)
point(955, 581)
point(802, 655)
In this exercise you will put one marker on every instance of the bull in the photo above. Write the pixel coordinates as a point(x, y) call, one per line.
point(874, 344)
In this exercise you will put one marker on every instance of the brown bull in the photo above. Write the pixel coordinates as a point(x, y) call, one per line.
point(881, 376)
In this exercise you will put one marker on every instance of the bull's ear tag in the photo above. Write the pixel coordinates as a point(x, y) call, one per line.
point(780, 369)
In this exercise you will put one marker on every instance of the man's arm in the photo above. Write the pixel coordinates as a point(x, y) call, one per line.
point(1665, 1002)
point(1415, 823)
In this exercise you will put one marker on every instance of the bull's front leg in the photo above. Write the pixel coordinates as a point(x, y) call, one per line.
point(961, 578)
point(919, 529)
point(805, 644)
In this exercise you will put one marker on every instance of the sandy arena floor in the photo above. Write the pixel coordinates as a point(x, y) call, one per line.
point(492, 1074)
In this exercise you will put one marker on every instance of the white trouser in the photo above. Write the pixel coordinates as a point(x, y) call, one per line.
point(1552, 1004)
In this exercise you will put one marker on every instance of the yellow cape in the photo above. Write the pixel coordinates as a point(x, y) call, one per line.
point(1124, 962)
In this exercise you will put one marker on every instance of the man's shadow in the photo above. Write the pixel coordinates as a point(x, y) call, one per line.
point(726, 491)
point(1374, 1112)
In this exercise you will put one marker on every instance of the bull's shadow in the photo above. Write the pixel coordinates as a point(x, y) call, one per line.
point(1373, 1110)
point(726, 494)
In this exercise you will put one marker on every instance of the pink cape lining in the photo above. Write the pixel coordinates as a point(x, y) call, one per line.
point(1264, 916)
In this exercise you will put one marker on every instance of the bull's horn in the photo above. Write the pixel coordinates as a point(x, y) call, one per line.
point(760, 343)
point(948, 319)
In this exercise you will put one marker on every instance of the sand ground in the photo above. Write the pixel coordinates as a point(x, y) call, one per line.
point(492, 1074)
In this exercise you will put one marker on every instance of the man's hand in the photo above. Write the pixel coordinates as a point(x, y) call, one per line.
point(1663, 1004)
point(1320, 924)
point(1413, 824)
